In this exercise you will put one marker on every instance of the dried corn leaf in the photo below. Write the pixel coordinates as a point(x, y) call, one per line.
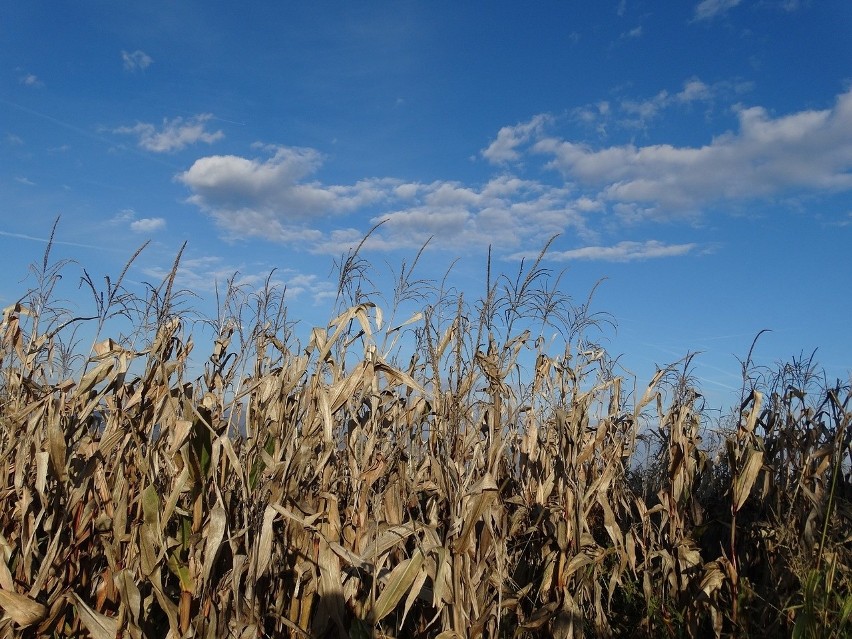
point(746, 478)
point(713, 578)
point(483, 494)
point(100, 626)
point(214, 531)
point(399, 582)
point(264, 545)
point(23, 610)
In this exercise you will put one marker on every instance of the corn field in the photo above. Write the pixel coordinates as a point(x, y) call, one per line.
point(447, 474)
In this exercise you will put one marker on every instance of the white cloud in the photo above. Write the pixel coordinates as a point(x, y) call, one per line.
point(707, 9)
point(136, 61)
point(147, 225)
point(621, 252)
point(31, 80)
point(275, 199)
point(14, 140)
point(276, 196)
point(694, 90)
point(506, 212)
point(124, 216)
point(633, 113)
point(204, 274)
point(25, 181)
point(503, 149)
point(636, 32)
point(766, 156)
point(274, 189)
point(174, 135)
point(646, 109)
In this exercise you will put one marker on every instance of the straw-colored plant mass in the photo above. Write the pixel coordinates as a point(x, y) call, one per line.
point(447, 474)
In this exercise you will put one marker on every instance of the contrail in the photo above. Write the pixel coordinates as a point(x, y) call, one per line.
point(87, 133)
point(44, 240)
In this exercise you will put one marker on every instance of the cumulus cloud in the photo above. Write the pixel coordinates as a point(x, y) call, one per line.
point(707, 9)
point(275, 198)
point(506, 212)
point(274, 188)
point(621, 252)
point(766, 156)
point(136, 60)
point(275, 194)
point(147, 225)
point(174, 135)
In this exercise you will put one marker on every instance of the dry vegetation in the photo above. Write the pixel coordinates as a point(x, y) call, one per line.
point(451, 475)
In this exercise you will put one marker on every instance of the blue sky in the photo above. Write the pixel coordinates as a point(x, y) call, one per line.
point(698, 155)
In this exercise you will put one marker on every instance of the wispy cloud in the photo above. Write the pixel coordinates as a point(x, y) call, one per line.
point(147, 225)
point(631, 112)
point(621, 252)
point(136, 60)
point(127, 218)
point(24, 180)
point(503, 148)
point(694, 89)
point(124, 216)
point(174, 134)
point(636, 32)
point(205, 274)
point(31, 80)
point(707, 9)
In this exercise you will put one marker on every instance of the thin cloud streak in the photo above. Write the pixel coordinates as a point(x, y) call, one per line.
point(44, 240)
point(622, 252)
point(708, 9)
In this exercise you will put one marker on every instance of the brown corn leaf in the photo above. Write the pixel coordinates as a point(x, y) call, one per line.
point(21, 609)
point(484, 493)
point(399, 582)
point(713, 578)
point(264, 545)
point(100, 626)
point(214, 532)
point(94, 377)
point(745, 480)
point(57, 448)
point(414, 593)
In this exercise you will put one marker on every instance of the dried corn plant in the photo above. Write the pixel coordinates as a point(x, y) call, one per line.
point(443, 473)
